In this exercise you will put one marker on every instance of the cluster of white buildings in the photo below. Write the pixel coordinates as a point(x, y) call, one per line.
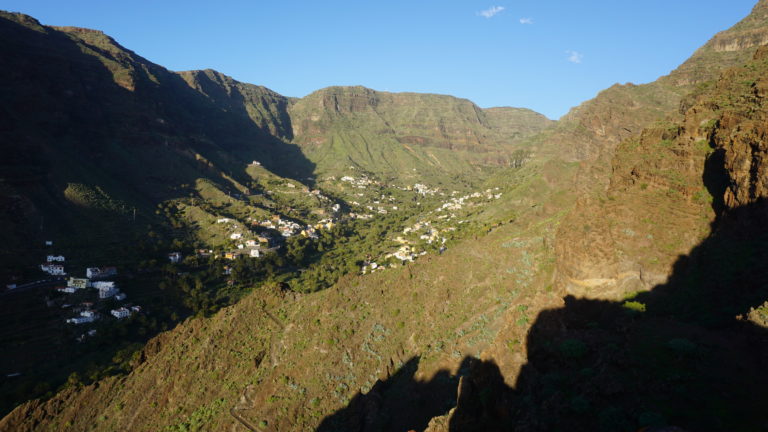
point(362, 182)
point(97, 273)
point(425, 230)
point(363, 216)
point(86, 316)
point(406, 253)
point(423, 189)
point(124, 312)
point(53, 265)
point(459, 203)
point(286, 228)
point(105, 289)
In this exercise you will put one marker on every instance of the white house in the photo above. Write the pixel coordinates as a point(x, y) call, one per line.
point(120, 296)
point(86, 316)
point(236, 236)
point(53, 269)
point(49, 242)
point(255, 253)
point(251, 243)
point(223, 220)
point(100, 272)
point(107, 291)
point(103, 285)
point(57, 258)
point(68, 290)
point(174, 257)
point(120, 313)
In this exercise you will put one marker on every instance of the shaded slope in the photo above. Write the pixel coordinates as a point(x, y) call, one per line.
point(268, 110)
point(79, 110)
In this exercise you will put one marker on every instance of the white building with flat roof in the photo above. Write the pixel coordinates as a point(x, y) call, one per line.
point(120, 313)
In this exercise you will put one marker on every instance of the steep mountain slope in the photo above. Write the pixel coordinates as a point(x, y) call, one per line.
point(590, 132)
point(583, 255)
point(728, 47)
point(408, 137)
point(81, 113)
point(660, 176)
point(679, 243)
point(94, 140)
point(268, 110)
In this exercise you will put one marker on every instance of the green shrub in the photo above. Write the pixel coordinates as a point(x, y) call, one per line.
point(634, 306)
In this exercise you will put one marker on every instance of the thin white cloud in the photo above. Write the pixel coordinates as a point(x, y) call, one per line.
point(574, 56)
point(491, 11)
point(526, 21)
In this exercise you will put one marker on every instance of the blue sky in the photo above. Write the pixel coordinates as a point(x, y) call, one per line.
point(545, 55)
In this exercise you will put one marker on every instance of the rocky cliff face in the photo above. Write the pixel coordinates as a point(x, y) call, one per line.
point(742, 132)
point(419, 119)
point(589, 258)
point(667, 187)
point(396, 133)
point(266, 108)
point(732, 46)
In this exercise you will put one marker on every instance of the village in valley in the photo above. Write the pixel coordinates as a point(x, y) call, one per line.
point(222, 245)
point(243, 233)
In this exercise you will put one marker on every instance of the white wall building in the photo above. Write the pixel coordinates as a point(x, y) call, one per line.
point(107, 292)
point(53, 269)
point(100, 272)
point(120, 313)
point(86, 316)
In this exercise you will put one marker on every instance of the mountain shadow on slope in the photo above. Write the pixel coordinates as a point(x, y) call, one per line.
point(676, 355)
point(399, 403)
point(404, 403)
point(691, 353)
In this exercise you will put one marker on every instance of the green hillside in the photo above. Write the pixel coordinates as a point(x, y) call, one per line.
point(408, 137)
point(424, 264)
